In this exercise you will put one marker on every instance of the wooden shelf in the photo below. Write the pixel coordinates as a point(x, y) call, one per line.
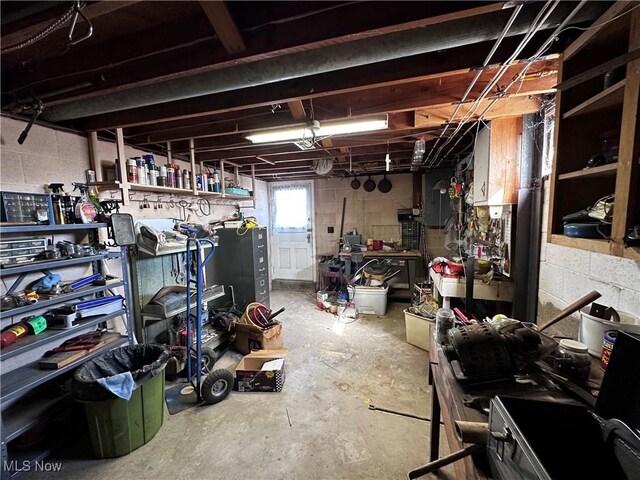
point(238, 197)
point(159, 189)
point(632, 253)
point(601, 171)
point(215, 194)
point(610, 97)
point(591, 244)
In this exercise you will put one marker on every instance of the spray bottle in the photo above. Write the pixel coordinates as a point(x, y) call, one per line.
point(86, 211)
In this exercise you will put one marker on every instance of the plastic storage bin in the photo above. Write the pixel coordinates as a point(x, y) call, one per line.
point(371, 300)
point(117, 426)
point(418, 330)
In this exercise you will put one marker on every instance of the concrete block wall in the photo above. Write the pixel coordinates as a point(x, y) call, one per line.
point(49, 155)
point(568, 273)
point(373, 214)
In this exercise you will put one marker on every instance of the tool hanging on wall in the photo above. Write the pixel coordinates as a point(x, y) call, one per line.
point(36, 110)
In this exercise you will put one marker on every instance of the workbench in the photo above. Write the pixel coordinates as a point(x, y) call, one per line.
point(451, 401)
point(455, 287)
point(408, 258)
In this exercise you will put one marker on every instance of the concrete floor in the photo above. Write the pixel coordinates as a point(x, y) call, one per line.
point(330, 378)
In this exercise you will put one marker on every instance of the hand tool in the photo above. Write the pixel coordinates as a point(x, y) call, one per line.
point(402, 414)
point(574, 307)
point(82, 283)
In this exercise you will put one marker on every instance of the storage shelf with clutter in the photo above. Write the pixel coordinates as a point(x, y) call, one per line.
point(596, 139)
point(141, 174)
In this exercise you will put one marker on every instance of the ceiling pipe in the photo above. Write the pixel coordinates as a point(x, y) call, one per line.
point(387, 47)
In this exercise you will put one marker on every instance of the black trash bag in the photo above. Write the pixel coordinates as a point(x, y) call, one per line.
point(143, 361)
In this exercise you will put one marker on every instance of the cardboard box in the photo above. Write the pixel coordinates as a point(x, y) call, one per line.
point(251, 378)
point(250, 337)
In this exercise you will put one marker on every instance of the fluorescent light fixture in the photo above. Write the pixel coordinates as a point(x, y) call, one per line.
point(317, 130)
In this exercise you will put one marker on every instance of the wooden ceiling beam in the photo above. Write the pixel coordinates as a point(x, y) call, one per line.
point(263, 43)
point(399, 99)
point(224, 25)
point(296, 108)
point(411, 69)
point(503, 107)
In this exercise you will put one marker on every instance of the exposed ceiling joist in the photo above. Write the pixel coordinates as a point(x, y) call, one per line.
point(503, 107)
point(224, 25)
point(324, 59)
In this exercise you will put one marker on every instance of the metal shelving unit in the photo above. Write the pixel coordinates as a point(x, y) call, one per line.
point(21, 405)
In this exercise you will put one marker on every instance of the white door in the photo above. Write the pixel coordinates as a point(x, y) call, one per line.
point(292, 230)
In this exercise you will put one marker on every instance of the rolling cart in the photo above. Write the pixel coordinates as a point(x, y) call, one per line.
point(217, 383)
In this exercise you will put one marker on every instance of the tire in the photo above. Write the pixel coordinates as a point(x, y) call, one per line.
point(209, 358)
point(217, 386)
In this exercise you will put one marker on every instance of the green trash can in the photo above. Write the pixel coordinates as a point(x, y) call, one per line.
point(118, 426)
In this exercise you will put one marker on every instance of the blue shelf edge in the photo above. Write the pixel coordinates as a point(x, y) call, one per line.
point(31, 228)
point(51, 335)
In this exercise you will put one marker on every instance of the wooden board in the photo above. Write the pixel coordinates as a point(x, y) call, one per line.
point(59, 360)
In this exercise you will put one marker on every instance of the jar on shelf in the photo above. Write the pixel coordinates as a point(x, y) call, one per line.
point(142, 171)
point(171, 177)
point(444, 322)
point(132, 171)
point(179, 179)
point(572, 359)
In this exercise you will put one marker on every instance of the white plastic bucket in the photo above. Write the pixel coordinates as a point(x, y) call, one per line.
point(592, 329)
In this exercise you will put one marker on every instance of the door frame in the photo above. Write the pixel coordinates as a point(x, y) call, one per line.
point(311, 186)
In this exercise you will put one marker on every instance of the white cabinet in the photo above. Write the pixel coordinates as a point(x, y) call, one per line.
point(481, 168)
point(496, 166)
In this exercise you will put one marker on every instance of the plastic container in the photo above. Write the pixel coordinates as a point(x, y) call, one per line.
point(607, 346)
point(117, 426)
point(572, 359)
point(171, 177)
point(370, 300)
point(418, 330)
point(592, 329)
point(132, 171)
point(444, 322)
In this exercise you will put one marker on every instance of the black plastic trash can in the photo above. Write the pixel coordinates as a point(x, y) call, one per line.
point(118, 426)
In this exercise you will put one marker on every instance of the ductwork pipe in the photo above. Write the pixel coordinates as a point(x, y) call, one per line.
point(387, 47)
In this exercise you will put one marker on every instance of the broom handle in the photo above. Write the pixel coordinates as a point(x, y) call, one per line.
point(575, 306)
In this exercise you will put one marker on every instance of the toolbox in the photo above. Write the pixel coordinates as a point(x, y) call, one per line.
point(20, 250)
point(532, 439)
point(18, 207)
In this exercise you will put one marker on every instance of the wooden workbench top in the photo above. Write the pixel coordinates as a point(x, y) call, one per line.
point(382, 253)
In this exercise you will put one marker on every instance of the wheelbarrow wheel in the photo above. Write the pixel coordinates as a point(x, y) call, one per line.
point(217, 386)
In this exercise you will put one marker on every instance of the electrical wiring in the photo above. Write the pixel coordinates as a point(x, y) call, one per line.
point(536, 56)
point(478, 73)
point(541, 17)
